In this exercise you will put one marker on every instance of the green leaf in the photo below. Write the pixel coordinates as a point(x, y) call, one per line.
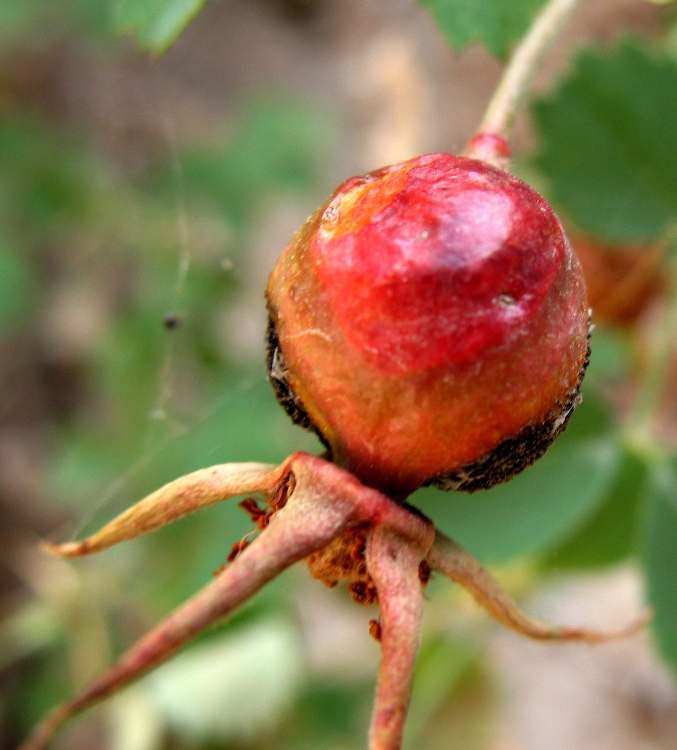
point(16, 287)
point(442, 663)
point(156, 24)
point(660, 559)
point(609, 535)
point(495, 23)
point(609, 142)
point(538, 508)
point(238, 686)
point(278, 146)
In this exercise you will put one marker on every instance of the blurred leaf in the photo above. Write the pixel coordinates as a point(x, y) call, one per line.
point(441, 664)
point(16, 285)
point(609, 142)
point(610, 534)
point(660, 557)
point(278, 146)
point(32, 628)
point(32, 24)
point(329, 715)
point(157, 24)
point(538, 508)
point(43, 175)
point(610, 357)
point(237, 686)
point(16, 19)
point(495, 23)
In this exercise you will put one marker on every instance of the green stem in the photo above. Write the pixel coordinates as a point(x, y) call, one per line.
point(639, 426)
point(517, 77)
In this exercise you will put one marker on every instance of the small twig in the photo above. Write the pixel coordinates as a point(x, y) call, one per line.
point(516, 81)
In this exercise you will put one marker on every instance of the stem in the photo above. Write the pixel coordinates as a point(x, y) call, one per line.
point(393, 562)
point(639, 426)
point(518, 75)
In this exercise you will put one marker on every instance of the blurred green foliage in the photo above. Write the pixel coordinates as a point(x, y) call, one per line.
point(156, 23)
point(608, 145)
point(497, 24)
point(166, 395)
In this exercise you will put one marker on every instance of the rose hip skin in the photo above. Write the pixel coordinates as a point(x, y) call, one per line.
point(430, 322)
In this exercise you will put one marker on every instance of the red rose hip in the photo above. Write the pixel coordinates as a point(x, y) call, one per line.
point(430, 323)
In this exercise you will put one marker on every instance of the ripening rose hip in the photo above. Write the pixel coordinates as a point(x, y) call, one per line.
point(430, 323)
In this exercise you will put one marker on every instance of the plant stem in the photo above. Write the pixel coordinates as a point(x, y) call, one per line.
point(518, 75)
point(393, 562)
point(638, 431)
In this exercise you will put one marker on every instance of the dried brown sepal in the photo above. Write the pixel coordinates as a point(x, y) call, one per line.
point(318, 512)
point(452, 560)
point(176, 500)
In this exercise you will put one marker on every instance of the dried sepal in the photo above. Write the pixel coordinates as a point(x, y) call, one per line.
point(449, 558)
point(315, 503)
point(176, 500)
point(312, 504)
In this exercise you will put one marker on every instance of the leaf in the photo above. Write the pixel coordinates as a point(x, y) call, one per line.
point(156, 24)
point(234, 687)
point(538, 508)
point(16, 287)
point(278, 146)
point(660, 559)
point(609, 142)
point(442, 663)
point(609, 535)
point(495, 23)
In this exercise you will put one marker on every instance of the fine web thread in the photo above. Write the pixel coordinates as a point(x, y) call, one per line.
point(160, 416)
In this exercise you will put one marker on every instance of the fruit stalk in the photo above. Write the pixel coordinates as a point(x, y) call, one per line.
point(639, 428)
point(518, 75)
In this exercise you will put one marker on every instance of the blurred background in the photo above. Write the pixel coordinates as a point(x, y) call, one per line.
point(143, 202)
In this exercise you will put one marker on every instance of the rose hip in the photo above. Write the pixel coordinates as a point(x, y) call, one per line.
point(430, 323)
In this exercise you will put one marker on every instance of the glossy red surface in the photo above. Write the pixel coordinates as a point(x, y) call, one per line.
point(433, 261)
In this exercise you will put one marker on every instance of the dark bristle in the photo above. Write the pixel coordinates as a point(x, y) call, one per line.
point(277, 375)
point(516, 453)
